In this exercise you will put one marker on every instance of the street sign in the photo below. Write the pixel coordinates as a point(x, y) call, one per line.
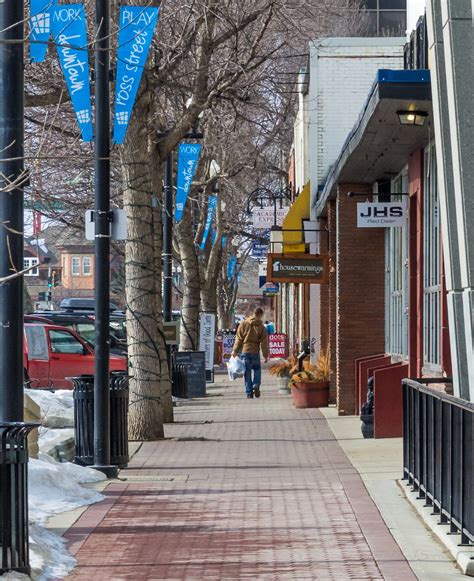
point(271, 289)
point(118, 225)
point(228, 340)
point(298, 268)
point(259, 250)
point(171, 332)
point(207, 332)
point(278, 346)
point(265, 217)
point(382, 215)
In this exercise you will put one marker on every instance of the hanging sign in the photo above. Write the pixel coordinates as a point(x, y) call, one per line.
point(224, 241)
point(40, 28)
point(212, 203)
point(228, 340)
point(278, 346)
point(188, 157)
point(136, 27)
point(382, 215)
point(268, 217)
point(207, 332)
point(298, 268)
point(68, 27)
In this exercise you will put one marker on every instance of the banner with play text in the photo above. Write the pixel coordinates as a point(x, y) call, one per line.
point(136, 28)
point(188, 157)
point(68, 27)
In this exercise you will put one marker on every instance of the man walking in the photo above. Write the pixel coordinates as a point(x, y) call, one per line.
point(251, 337)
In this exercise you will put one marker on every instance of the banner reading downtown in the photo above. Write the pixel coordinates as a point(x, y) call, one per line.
point(188, 157)
point(40, 28)
point(212, 203)
point(136, 27)
point(69, 32)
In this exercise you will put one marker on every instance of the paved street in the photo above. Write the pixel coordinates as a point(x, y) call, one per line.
point(250, 489)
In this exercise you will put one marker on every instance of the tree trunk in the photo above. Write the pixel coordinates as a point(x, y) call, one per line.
point(147, 365)
point(189, 333)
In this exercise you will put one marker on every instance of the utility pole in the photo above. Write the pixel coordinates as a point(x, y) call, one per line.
point(102, 241)
point(168, 238)
point(11, 208)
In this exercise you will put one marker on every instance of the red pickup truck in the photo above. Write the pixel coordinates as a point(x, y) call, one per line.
point(52, 353)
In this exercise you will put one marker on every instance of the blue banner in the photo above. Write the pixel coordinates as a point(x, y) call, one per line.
point(231, 267)
point(136, 27)
point(211, 207)
point(188, 157)
point(224, 241)
point(40, 28)
point(69, 32)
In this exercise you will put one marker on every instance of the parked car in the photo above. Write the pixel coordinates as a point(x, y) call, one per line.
point(82, 324)
point(52, 353)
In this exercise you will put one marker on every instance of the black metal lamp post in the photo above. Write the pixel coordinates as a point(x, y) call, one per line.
point(11, 208)
point(102, 241)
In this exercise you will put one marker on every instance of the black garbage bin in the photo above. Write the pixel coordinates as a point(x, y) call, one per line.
point(179, 380)
point(14, 541)
point(84, 419)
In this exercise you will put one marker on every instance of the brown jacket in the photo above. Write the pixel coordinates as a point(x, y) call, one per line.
point(251, 336)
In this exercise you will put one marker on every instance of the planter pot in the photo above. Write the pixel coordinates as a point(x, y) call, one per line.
point(310, 394)
point(282, 384)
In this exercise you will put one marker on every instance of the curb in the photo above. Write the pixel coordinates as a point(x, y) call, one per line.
point(463, 556)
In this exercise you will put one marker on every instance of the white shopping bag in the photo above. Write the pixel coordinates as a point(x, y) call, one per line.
point(235, 368)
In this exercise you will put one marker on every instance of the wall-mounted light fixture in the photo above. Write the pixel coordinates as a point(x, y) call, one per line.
point(417, 118)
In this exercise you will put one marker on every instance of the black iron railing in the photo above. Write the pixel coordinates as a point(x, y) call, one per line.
point(438, 453)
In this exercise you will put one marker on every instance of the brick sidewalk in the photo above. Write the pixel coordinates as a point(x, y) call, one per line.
point(242, 489)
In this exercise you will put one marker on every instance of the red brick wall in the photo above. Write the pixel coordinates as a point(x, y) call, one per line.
point(360, 299)
point(331, 294)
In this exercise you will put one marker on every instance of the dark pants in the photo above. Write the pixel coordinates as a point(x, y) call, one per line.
point(252, 366)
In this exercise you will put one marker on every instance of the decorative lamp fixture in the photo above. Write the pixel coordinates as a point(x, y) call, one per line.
point(412, 117)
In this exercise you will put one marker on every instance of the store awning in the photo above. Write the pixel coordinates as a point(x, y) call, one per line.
point(293, 235)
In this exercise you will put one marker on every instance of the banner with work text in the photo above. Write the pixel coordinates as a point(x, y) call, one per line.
point(136, 28)
point(211, 208)
point(188, 157)
point(40, 28)
point(68, 27)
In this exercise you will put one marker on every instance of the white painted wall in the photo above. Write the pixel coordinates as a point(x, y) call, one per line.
point(342, 71)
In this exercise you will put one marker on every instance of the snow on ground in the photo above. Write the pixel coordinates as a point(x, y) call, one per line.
point(57, 408)
point(54, 488)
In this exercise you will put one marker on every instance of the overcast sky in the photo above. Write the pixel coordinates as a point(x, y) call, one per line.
point(415, 9)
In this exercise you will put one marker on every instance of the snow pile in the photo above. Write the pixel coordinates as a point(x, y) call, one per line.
point(54, 488)
point(59, 443)
point(57, 408)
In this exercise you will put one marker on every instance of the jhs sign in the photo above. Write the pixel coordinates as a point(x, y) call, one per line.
point(382, 215)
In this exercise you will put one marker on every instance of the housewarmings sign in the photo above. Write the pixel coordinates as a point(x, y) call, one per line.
point(188, 157)
point(382, 215)
point(136, 27)
point(298, 268)
point(69, 32)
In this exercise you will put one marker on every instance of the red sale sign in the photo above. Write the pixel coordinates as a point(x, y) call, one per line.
point(277, 346)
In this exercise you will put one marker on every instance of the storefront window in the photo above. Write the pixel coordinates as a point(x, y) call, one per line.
point(431, 267)
point(396, 280)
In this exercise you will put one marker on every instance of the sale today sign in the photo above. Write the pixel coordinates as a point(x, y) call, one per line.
point(278, 346)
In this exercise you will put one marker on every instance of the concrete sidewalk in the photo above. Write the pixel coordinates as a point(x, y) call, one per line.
point(239, 489)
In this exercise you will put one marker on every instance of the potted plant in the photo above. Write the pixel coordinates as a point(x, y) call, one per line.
point(282, 369)
point(310, 387)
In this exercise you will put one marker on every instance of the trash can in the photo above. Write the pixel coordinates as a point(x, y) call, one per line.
point(14, 540)
point(179, 380)
point(84, 419)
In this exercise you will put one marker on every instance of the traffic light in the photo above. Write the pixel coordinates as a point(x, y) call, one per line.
point(50, 281)
point(49, 296)
point(55, 278)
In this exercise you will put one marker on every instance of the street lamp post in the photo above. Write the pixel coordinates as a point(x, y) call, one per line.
point(168, 238)
point(11, 208)
point(102, 241)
